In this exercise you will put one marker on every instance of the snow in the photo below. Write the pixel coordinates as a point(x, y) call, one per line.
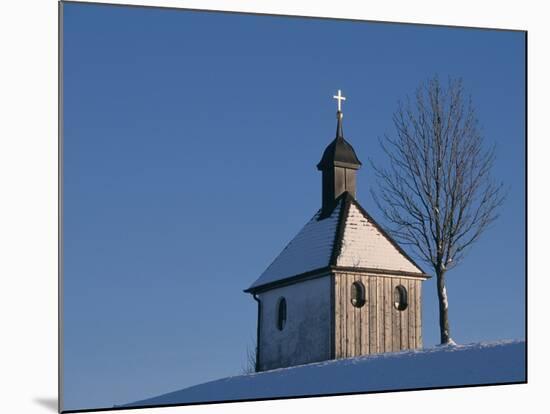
point(441, 366)
point(364, 246)
point(309, 250)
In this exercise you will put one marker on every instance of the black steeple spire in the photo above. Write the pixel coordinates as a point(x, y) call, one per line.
point(339, 129)
point(338, 165)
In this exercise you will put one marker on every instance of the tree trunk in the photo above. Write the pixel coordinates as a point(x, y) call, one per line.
point(444, 329)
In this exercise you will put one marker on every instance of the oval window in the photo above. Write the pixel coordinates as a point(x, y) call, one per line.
point(281, 314)
point(400, 300)
point(357, 294)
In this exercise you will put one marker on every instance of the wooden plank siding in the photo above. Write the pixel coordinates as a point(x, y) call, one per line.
point(418, 313)
point(371, 303)
point(412, 321)
point(377, 326)
point(396, 328)
point(380, 312)
point(403, 320)
point(351, 322)
point(387, 315)
point(343, 315)
point(365, 314)
point(337, 323)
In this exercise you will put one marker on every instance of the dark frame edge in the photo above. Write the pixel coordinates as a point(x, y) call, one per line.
point(526, 206)
point(60, 207)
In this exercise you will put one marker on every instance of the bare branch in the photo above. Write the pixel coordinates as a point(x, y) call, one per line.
point(437, 192)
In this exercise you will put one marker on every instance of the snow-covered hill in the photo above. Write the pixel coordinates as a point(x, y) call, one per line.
point(482, 363)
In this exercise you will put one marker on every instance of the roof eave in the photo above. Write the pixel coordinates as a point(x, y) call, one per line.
point(325, 271)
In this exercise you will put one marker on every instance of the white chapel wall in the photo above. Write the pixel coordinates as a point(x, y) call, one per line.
point(305, 337)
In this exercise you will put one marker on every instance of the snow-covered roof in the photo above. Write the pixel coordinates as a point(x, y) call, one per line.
point(311, 249)
point(363, 244)
point(348, 237)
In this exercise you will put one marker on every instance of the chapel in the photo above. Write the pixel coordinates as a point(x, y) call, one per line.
point(342, 287)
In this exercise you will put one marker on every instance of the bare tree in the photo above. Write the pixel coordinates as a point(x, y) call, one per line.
point(437, 192)
point(250, 361)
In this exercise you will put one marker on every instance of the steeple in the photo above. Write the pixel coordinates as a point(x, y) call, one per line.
point(338, 165)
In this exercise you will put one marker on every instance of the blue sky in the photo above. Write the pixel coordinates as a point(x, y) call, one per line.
point(190, 147)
